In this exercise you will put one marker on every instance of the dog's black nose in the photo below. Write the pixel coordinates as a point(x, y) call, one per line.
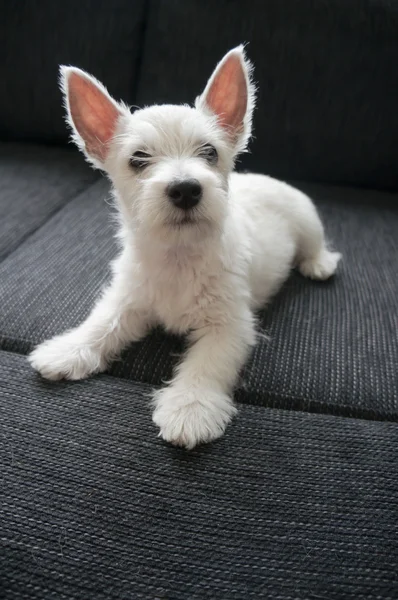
point(185, 194)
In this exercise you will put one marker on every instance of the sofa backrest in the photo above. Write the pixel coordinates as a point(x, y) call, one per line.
point(103, 37)
point(326, 72)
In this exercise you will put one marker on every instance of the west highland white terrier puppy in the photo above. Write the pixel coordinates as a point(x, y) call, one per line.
point(203, 247)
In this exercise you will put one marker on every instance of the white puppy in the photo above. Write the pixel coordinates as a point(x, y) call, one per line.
point(203, 247)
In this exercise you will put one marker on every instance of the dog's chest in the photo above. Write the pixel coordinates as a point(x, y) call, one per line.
point(184, 291)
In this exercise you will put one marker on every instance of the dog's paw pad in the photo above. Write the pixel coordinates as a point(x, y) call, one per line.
point(322, 267)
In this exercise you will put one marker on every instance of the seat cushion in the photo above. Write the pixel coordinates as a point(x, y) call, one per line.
point(102, 37)
point(333, 346)
point(93, 505)
point(326, 75)
point(36, 181)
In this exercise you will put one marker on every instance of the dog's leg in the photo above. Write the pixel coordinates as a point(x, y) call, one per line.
point(197, 405)
point(315, 259)
point(115, 320)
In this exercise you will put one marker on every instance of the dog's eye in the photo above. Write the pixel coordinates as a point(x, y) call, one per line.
point(209, 153)
point(139, 160)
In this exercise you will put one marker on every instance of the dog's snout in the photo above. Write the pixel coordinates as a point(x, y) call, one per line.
point(185, 194)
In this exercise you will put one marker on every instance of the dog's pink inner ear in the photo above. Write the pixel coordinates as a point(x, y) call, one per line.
point(227, 96)
point(93, 114)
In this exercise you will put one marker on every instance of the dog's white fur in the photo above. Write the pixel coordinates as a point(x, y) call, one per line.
point(203, 278)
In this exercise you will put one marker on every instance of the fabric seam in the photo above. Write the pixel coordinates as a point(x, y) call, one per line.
point(309, 404)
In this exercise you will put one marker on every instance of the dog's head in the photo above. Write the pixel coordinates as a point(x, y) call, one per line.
point(169, 164)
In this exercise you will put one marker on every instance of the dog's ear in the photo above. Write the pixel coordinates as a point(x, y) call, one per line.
point(230, 95)
point(91, 113)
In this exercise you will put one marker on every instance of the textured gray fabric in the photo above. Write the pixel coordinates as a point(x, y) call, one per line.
point(94, 506)
point(326, 74)
point(102, 37)
point(55, 277)
point(333, 346)
point(35, 182)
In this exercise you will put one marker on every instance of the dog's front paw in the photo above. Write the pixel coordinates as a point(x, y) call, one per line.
point(187, 417)
point(64, 357)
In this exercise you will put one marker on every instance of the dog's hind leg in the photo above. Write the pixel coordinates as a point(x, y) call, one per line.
point(314, 259)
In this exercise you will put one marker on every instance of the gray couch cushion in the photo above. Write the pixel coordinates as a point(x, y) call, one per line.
point(36, 181)
point(333, 346)
point(93, 506)
point(67, 264)
point(101, 36)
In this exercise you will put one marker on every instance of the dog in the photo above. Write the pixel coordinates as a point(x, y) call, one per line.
point(203, 247)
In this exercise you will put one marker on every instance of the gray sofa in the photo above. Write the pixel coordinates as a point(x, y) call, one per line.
point(299, 499)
